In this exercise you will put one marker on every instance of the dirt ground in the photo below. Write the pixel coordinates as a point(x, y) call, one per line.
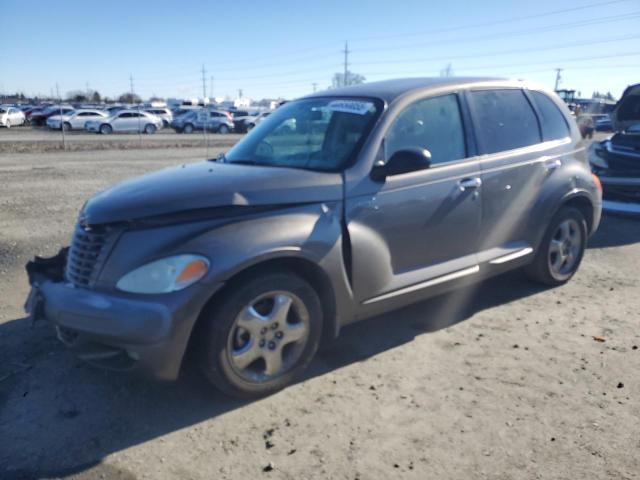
point(502, 381)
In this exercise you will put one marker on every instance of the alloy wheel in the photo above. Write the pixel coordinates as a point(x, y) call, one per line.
point(268, 336)
point(564, 249)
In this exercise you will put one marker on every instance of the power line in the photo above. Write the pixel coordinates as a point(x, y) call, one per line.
point(503, 52)
point(495, 22)
point(515, 33)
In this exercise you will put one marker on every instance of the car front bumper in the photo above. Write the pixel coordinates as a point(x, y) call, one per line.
point(113, 330)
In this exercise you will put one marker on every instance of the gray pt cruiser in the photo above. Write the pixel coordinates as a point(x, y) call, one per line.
point(339, 206)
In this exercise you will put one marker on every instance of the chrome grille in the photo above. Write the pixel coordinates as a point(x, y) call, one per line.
point(87, 253)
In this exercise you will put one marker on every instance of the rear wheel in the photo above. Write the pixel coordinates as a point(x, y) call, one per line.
point(106, 129)
point(188, 128)
point(262, 336)
point(223, 129)
point(561, 249)
point(150, 129)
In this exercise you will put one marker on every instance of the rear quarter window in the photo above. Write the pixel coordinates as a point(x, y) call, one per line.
point(504, 120)
point(552, 121)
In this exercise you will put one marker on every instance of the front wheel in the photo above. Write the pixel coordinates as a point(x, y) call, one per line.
point(262, 336)
point(223, 129)
point(106, 129)
point(66, 126)
point(561, 249)
point(188, 128)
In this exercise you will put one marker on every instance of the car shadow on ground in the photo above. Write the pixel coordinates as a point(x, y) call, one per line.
point(63, 417)
point(616, 231)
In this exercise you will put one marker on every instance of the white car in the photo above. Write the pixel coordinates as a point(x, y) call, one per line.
point(126, 121)
point(163, 113)
point(11, 116)
point(75, 120)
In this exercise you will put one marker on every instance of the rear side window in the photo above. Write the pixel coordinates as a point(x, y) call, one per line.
point(552, 121)
point(433, 123)
point(504, 120)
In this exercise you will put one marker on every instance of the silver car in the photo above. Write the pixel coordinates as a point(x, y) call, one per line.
point(163, 113)
point(126, 121)
point(11, 116)
point(75, 120)
point(373, 197)
point(217, 121)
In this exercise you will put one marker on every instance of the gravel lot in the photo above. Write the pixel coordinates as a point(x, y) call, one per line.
point(501, 381)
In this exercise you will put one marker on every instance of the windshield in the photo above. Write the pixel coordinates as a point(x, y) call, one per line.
point(315, 133)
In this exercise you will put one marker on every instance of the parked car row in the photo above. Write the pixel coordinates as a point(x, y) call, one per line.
point(121, 118)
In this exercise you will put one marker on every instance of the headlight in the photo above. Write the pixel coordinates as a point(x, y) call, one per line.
point(166, 275)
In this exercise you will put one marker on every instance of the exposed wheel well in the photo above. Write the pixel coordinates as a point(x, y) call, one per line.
point(306, 269)
point(585, 207)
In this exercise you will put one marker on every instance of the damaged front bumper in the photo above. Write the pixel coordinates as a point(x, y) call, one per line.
point(114, 330)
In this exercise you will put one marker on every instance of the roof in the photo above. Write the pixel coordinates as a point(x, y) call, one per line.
point(388, 90)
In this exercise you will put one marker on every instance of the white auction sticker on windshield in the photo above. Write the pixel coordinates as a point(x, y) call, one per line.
point(350, 106)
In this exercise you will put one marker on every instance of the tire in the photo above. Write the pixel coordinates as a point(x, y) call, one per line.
point(237, 360)
point(106, 129)
point(188, 128)
point(66, 126)
point(223, 129)
point(561, 249)
point(150, 129)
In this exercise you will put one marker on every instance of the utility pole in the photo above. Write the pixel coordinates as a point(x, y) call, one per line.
point(211, 87)
point(315, 85)
point(64, 140)
point(131, 84)
point(346, 64)
point(204, 84)
point(558, 78)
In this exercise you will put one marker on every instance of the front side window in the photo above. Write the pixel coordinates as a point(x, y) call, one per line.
point(435, 124)
point(552, 121)
point(504, 120)
point(314, 133)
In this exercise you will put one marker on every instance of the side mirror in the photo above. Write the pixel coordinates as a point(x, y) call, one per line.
point(403, 161)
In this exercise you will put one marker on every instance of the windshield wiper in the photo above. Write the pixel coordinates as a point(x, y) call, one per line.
point(245, 162)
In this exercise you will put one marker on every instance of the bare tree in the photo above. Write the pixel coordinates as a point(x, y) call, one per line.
point(129, 98)
point(339, 79)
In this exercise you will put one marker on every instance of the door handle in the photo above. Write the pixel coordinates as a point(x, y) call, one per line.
point(552, 164)
point(469, 183)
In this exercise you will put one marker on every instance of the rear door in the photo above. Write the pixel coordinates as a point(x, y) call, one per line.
point(515, 163)
point(420, 228)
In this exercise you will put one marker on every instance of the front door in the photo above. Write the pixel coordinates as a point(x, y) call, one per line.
point(420, 228)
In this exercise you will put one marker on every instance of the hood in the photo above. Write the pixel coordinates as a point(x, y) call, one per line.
point(627, 110)
point(208, 184)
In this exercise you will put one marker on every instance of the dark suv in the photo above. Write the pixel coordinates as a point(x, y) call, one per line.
point(339, 206)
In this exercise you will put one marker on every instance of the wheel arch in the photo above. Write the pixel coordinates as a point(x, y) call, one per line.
point(581, 202)
point(286, 261)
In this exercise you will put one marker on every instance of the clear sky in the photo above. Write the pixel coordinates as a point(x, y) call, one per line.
point(279, 48)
